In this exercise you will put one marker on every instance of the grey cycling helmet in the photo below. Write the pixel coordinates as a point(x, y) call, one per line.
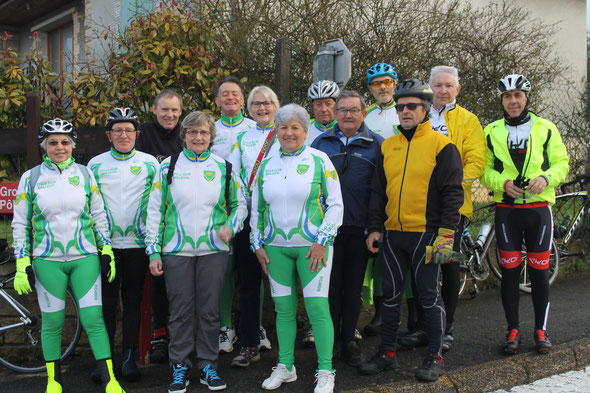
point(323, 89)
point(413, 88)
point(57, 126)
point(513, 82)
point(122, 115)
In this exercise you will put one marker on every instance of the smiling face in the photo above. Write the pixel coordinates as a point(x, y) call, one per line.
point(198, 138)
point(350, 115)
point(383, 94)
point(123, 136)
point(291, 135)
point(58, 147)
point(514, 102)
point(168, 111)
point(323, 110)
point(230, 99)
point(445, 89)
point(409, 119)
point(262, 110)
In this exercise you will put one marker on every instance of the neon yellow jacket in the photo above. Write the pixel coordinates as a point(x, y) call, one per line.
point(546, 156)
point(466, 133)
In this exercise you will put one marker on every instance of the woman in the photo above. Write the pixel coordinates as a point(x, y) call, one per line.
point(251, 147)
point(60, 222)
point(195, 208)
point(526, 159)
point(296, 211)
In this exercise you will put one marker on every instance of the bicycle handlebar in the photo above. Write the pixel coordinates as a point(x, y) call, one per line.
point(580, 179)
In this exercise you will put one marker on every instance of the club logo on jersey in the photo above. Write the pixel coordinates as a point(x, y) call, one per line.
point(209, 175)
point(331, 174)
point(74, 180)
point(301, 169)
point(135, 170)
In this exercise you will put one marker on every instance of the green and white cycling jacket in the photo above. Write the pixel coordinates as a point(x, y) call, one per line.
point(382, 120)
point(125, 181)
point(184, 216)
point(226, 132)
point(246, 149)
point(296, 200)
point(316, 129)
point(64, 214)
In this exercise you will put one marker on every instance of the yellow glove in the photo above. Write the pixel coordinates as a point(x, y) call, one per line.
point(24, 278)
point(441, 250)
point(107, 263)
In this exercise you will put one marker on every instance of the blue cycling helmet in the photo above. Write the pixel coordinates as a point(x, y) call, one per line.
point(381, 69)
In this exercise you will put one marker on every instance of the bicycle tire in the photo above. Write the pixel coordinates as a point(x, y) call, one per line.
point(17, 352)
point(525, 284)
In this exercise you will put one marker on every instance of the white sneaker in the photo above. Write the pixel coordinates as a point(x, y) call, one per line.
point(227, 339)
point(264, 341)
point(324, 381)
point(279, 375)
point(308, 340)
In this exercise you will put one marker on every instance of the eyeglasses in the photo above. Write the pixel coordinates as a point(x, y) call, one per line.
point(63, 143)
point(353, 111)
point(201, 133)
point(386, 83)
point(412, 106)
point(126, 131)
point(258, 104)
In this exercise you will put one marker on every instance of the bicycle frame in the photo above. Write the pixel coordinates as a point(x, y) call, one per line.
point(577, 219)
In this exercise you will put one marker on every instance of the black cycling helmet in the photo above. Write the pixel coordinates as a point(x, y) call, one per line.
point(513, 82)
point(57, 126)
point(122, 115)
point(413, 88)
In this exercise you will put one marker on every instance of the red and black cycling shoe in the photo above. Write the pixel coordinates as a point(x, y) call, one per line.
point(512, 342)
point(542, 342)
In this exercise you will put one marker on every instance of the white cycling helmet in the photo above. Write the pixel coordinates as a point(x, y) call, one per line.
point(513, 82)
point(323, 89)
point(57, 126)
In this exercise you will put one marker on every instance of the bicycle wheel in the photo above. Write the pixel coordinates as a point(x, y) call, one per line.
point(20, 346)
point(525, 283)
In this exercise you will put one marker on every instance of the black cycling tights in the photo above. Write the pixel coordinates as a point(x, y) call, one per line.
point(534, 225)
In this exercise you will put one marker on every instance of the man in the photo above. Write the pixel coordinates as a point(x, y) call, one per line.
point(353, 149)
point(125, 178)
point(229, 97)
point(381, 116)
point(323, 95)
point(417, 194)
point(463, 128)
point(161, 139)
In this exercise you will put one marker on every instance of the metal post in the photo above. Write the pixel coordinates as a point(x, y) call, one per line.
point(33, 124)
point(283, 70)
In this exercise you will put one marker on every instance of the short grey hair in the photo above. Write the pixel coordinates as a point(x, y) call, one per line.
point(267, 93)
point(168, 93)
point(441, 68)
point(351, 93)
point(196, 119)
point(43, 143)
point(292, 112)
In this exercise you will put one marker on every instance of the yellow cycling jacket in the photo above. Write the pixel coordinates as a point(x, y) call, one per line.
point(546, 156)
point(466, 133)
point(417, 183)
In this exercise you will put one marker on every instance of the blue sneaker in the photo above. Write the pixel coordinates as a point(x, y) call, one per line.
point(210, 378)
point(179, 378)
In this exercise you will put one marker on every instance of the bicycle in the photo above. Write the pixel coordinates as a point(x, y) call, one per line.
point(20, 325)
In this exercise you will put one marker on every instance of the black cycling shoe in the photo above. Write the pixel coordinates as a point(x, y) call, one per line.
point(512, 342)
point(129, 369)
point(431, 369)
point(378, 363)
point(542, 342)
point(159, 350)
point(352, 354)
point(417, 338)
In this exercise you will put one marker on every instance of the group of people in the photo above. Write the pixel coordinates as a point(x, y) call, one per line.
point(286, 197)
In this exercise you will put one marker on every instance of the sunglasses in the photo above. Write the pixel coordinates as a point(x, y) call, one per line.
point(386, 82)
point(412, 106)
point(63, 143)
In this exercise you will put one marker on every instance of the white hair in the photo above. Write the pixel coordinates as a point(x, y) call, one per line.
point(448, 69)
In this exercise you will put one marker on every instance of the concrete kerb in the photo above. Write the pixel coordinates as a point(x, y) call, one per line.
point(499, 374)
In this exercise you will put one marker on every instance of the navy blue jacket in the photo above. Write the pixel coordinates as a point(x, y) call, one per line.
point(355, 164)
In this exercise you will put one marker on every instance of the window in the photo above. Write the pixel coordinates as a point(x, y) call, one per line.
point(61, 49)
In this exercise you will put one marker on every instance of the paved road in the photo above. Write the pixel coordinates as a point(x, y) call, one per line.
point(570, 382)
point(480, 330)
